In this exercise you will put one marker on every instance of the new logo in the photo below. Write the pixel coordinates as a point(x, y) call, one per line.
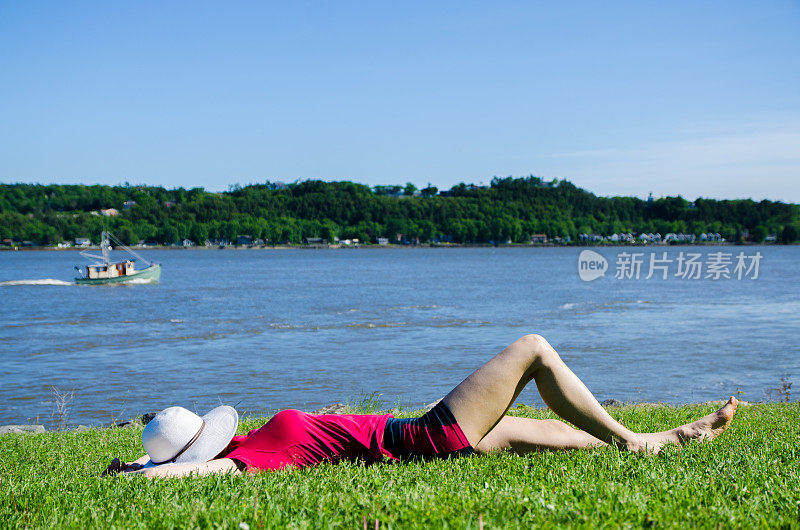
point(591, 265)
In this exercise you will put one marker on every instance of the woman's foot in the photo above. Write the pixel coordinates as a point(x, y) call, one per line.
point(706, 428)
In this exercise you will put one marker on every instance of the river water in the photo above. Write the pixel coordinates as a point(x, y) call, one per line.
point(271, 329)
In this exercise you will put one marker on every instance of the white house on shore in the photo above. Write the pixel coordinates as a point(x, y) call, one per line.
point(711, 237)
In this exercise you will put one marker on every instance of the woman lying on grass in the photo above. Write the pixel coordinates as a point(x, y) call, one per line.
point(470, 419)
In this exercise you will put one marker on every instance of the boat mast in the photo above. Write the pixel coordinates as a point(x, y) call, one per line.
point(104, 244)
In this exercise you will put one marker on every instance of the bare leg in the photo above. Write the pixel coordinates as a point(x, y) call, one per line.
point(482, 399)
point(706, 428)
point(524, 435)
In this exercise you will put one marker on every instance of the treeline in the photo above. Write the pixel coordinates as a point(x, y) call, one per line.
point(510, 209)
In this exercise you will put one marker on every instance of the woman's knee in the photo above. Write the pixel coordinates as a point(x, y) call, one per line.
point(536, 349)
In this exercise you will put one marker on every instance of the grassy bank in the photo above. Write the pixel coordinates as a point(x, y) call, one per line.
point(748, 477)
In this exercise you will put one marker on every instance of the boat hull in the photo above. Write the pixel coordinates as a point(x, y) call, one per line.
point(151, 274)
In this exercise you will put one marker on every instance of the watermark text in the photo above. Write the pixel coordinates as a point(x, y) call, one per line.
point(685, 266)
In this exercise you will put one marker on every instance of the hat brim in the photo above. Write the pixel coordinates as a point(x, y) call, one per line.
point(218, 432)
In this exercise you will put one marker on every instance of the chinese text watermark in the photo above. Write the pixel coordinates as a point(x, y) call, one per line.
point(685, 266)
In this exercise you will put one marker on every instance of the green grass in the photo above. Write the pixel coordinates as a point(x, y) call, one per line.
point(746, 478)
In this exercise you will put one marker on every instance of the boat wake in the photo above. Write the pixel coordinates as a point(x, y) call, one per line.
point(139, 281)
point(47, 281)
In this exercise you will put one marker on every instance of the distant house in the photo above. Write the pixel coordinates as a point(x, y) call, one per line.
point(539, 238)
point(187, 243)
point(383, 241)
point(109, 212)
point(711, 236)
point(650, 237)
point(314, 241)
point(679, 237)
point(82, 241)
point(388, 191)
point(128, 204)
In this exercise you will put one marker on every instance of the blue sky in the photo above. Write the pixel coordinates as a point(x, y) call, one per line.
point(691, 98)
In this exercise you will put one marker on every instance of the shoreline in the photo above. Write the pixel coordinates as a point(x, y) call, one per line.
point(411, 247)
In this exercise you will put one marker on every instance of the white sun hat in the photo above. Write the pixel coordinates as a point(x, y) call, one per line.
point(179, 436)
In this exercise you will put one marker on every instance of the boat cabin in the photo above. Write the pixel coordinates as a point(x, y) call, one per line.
point(112, 270)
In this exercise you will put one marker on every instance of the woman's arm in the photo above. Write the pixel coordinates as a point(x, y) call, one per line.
point(142, 460)
point(220, 465)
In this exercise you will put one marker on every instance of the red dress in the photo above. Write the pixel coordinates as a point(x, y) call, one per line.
point(293, 438)
point(297, 439)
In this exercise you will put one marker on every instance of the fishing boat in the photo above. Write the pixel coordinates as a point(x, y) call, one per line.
point(102, 271)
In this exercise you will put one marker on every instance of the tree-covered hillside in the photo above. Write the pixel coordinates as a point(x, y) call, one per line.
point(508, 209)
